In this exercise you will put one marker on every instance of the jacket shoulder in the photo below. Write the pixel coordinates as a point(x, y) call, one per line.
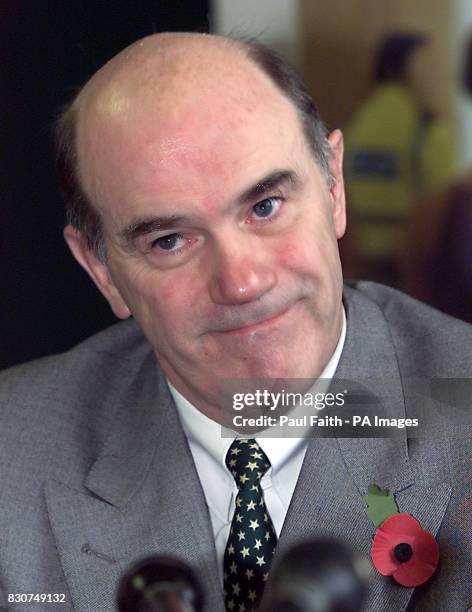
point(122, 341)
point(428, 342)
point(69, 398)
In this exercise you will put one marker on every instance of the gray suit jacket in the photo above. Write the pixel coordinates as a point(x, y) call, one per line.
point(95, 471)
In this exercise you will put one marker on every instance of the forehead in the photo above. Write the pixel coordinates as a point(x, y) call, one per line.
point(142, 141)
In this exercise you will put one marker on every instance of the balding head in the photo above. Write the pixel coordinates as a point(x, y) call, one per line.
point(152, 65)
point(196, 155)
point(179, 75)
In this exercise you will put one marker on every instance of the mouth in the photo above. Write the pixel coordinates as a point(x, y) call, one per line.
point(253, 327)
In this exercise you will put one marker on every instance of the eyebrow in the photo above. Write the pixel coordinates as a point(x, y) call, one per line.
point(142, 226)
point(272, 181)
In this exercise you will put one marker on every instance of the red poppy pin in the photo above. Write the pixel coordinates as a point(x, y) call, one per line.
point(401, 548)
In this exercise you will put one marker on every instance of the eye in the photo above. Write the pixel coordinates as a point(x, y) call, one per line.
point(169, 242)
point(268, 208)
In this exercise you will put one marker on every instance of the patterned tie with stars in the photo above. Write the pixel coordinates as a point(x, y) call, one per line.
point(252, 538)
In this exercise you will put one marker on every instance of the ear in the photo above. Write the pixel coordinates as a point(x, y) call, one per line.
point(338, 197)
point(97, 270)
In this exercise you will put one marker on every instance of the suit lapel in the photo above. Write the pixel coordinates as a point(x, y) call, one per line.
point(328, 499)
point(141, 496)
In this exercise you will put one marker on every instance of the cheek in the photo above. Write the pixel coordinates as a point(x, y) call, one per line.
point(305, 251)
point(165, 293)
point(172, 300)
point(292, 253)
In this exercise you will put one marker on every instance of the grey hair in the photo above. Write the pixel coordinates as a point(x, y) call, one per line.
point(80, 212)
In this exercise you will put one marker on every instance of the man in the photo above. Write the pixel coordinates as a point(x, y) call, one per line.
point(205, 201)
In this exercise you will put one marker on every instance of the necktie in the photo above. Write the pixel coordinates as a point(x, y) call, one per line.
point(252, 538)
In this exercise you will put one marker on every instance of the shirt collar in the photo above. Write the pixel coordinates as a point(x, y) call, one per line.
point(206, 433)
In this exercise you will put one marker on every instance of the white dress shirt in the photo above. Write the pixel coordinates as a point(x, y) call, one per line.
point(209, 450)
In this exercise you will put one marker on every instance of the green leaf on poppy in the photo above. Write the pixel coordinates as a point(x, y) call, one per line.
point(380, 505)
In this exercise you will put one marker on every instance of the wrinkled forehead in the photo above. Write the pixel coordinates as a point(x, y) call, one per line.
point(159, 117)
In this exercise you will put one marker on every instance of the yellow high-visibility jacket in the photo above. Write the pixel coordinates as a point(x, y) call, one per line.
point(393, 155)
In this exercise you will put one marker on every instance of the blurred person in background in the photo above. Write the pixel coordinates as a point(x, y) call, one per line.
point(436, 262)
point(396, 149)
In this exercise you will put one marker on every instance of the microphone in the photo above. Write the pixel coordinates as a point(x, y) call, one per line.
point(317, 576)
point(160, 584)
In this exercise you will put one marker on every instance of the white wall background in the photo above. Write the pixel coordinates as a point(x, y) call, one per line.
point(274, 22)
point(463, 26)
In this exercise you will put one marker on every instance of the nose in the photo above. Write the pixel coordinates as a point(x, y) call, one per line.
point(240, 274)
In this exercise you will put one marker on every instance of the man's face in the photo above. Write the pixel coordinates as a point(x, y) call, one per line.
point(221, 235)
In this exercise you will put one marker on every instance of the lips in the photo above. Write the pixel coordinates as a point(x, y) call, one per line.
point(258, 325)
